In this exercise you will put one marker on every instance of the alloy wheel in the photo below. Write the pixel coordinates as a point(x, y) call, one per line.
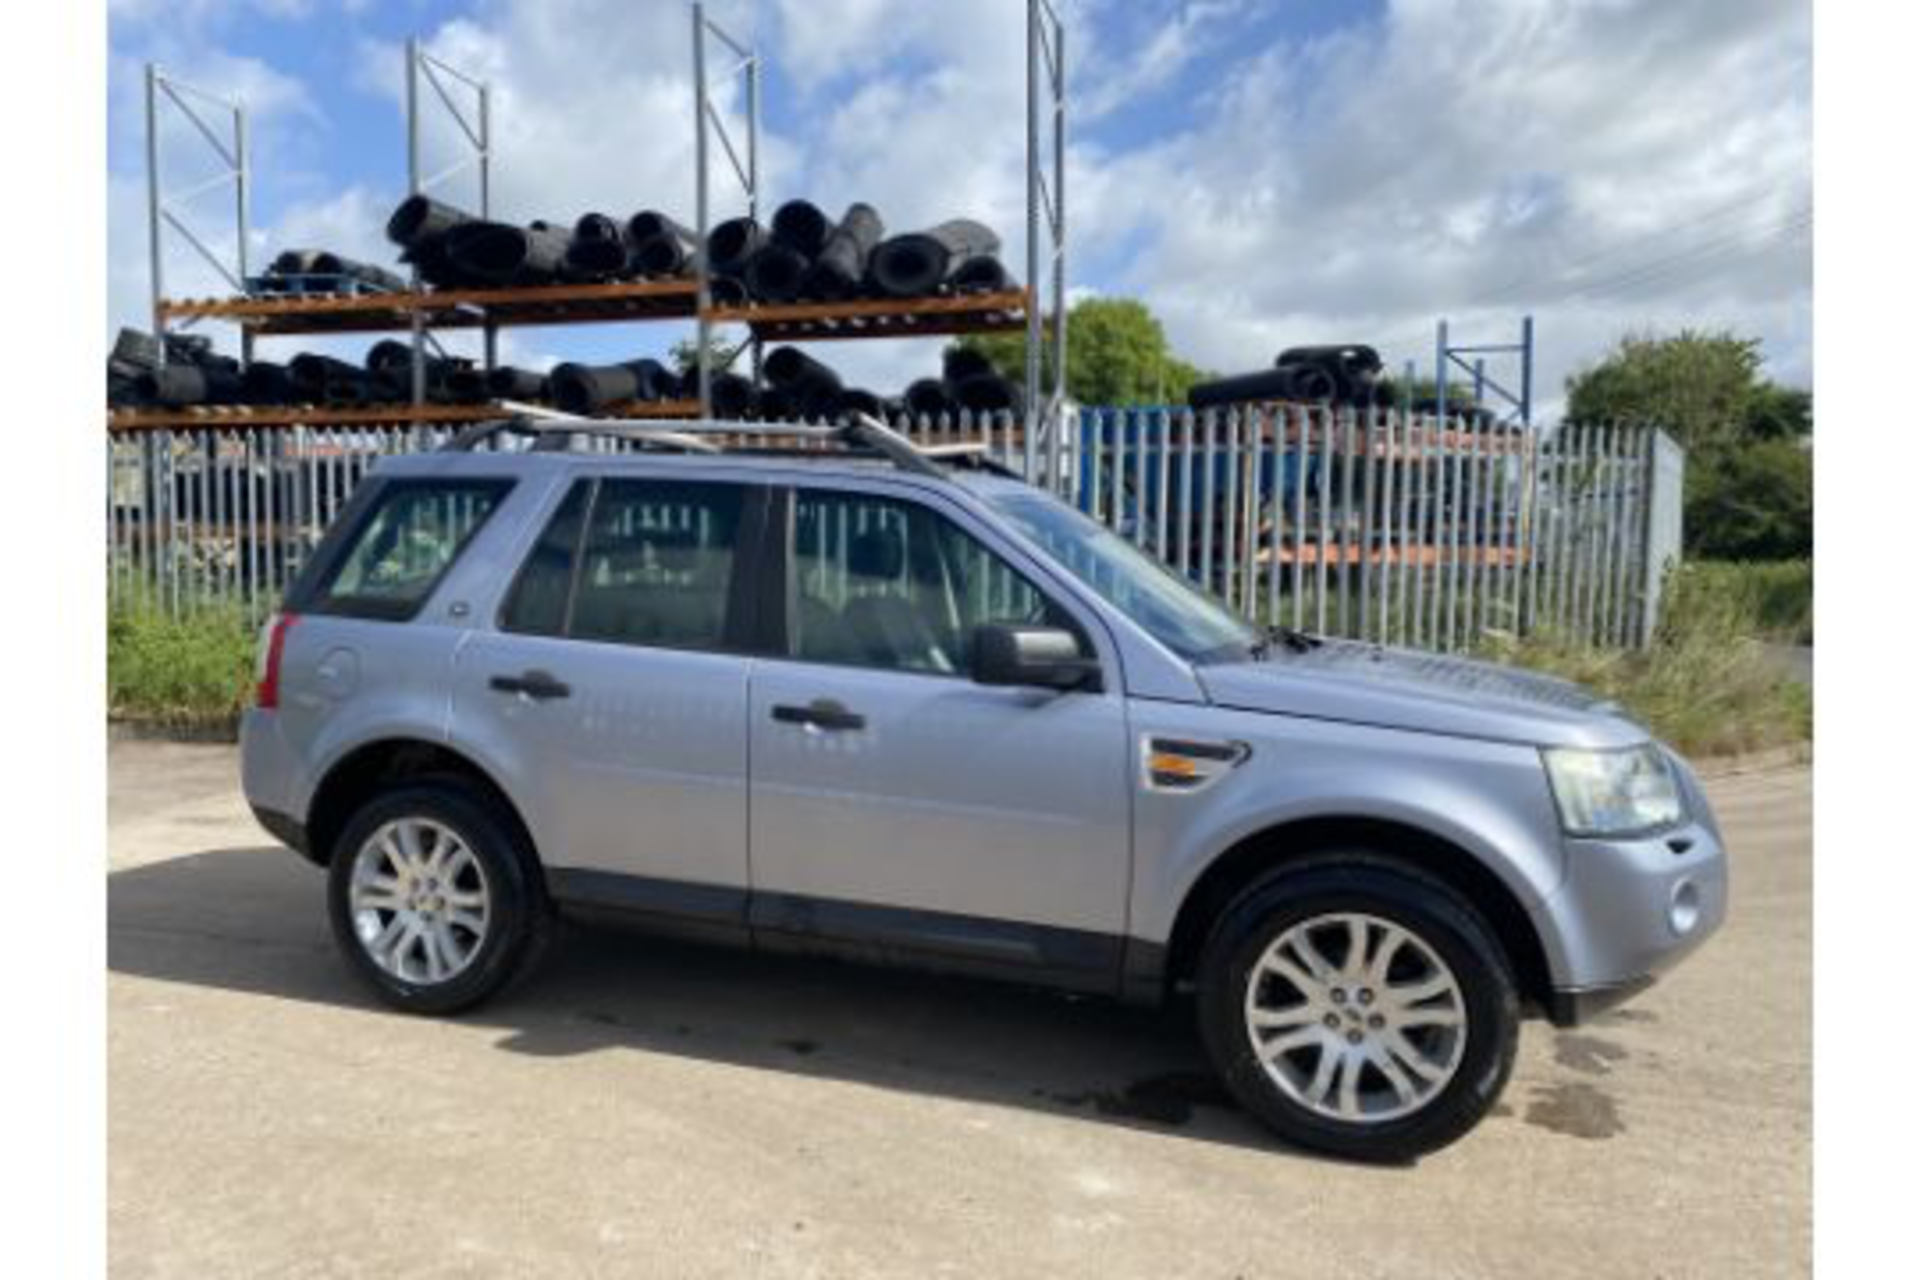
point(419, 900)
point(1355, 1017)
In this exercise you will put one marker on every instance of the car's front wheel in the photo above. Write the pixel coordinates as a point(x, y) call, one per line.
point(432, 899)
point(1359, 1007)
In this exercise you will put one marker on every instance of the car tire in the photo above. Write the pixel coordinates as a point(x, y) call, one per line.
point(478, 917)
point(1429, 1049)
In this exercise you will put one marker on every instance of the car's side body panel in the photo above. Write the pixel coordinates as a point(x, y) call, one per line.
point(1487, 799)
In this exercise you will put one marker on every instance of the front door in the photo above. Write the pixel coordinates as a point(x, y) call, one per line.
point(895, 802)
point(613, 693)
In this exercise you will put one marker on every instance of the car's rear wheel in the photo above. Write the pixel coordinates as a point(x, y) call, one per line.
point(433, 901)
point(1360, 1007)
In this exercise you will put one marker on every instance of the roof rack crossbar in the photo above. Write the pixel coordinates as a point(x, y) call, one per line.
point(865, 429)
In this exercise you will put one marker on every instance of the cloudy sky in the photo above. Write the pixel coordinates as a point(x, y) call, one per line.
point(1263, 173)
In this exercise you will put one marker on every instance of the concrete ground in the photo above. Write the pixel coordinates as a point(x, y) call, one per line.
point(644, 1109)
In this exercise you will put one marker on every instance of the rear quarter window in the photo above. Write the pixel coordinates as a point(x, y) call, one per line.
point(389, 562)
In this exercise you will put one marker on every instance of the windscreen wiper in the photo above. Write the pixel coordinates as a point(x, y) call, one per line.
point(1293, 640)
point(1290, 638)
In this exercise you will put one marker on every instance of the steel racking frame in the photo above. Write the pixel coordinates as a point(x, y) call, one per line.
point(420, 311)
point(162, 204)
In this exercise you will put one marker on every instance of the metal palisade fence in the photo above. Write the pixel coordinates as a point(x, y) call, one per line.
point(1373, 524)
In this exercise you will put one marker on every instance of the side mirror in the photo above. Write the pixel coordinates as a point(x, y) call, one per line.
point(1049, 657)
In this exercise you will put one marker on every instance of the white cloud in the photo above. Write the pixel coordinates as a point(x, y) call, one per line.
point(592, 106)
point(1357, 187)
point(1117, 66)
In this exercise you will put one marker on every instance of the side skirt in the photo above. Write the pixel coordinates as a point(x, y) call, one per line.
point(933, 941)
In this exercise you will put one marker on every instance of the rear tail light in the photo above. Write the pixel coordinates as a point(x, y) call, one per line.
point(273, 644)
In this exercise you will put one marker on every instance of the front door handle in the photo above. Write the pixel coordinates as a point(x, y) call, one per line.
point(821, 713)
point(538, 685)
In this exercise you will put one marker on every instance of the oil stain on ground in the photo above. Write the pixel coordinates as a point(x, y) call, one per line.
point(1163, 1099)
point(1578, 1110)
point(1589, 1055)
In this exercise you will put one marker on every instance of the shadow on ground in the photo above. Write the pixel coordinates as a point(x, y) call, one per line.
point(252, 920)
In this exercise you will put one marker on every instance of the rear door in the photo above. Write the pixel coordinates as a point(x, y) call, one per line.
point(368, 658)
point(897, 803)
point(612, 690)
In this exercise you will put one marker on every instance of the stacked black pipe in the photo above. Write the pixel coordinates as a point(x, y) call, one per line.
point(194, 375)
point(1339, 375)
point(967, 383)
point(801, 389)
point(802, 256)
point(839, 269)
point(317, 270)
point(191, 374)
point(926, 262)
point(588, 389)
point(598, 250)
point(134, 354)
point(660, 246)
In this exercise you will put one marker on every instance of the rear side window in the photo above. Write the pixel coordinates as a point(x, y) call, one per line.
point(403, 545)
point(645, 562)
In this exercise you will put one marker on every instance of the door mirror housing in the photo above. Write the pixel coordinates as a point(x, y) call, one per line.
point(1047, 657)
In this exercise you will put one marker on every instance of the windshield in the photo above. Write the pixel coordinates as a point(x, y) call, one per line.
point(1173, 610)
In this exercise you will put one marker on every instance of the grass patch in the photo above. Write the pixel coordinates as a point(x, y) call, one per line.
point(1772, 599)
point(1707, 684)
point(189, 670)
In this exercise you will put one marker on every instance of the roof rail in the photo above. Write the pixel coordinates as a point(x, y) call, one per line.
point(554, 430)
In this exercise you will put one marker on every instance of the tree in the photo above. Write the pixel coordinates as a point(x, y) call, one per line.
point(1117, 354)
point(1697, 387)
point(685, 353)
point(1752, 501)
point(1749, 466)
point(1780, 413)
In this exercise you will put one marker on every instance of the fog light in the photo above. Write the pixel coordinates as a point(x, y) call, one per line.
point(1683, 913)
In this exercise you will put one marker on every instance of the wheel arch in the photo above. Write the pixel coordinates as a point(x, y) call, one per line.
point(377, 766)
point(1281, 845)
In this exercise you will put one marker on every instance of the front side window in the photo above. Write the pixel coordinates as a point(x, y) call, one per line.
point(1185, 619)
point(402, 547)
point(646, 562)
point(890, 584)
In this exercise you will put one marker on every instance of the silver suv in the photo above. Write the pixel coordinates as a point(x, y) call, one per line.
point(848, 696)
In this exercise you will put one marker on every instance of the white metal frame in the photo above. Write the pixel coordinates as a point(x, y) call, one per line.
point(709, 125)
point(166, 209)
point(478, 131)
point(1046, 215)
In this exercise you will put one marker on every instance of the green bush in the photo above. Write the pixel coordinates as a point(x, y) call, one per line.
point(192, 668)
point(1750, 500)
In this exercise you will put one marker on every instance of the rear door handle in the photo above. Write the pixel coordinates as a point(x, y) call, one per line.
point(539, 685)
point(821, 713)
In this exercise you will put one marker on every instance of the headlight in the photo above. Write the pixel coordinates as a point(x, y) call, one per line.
point(1613, 793)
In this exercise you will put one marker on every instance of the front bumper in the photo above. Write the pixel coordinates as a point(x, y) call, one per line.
point(1574, 1006)
point(1630, 910)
